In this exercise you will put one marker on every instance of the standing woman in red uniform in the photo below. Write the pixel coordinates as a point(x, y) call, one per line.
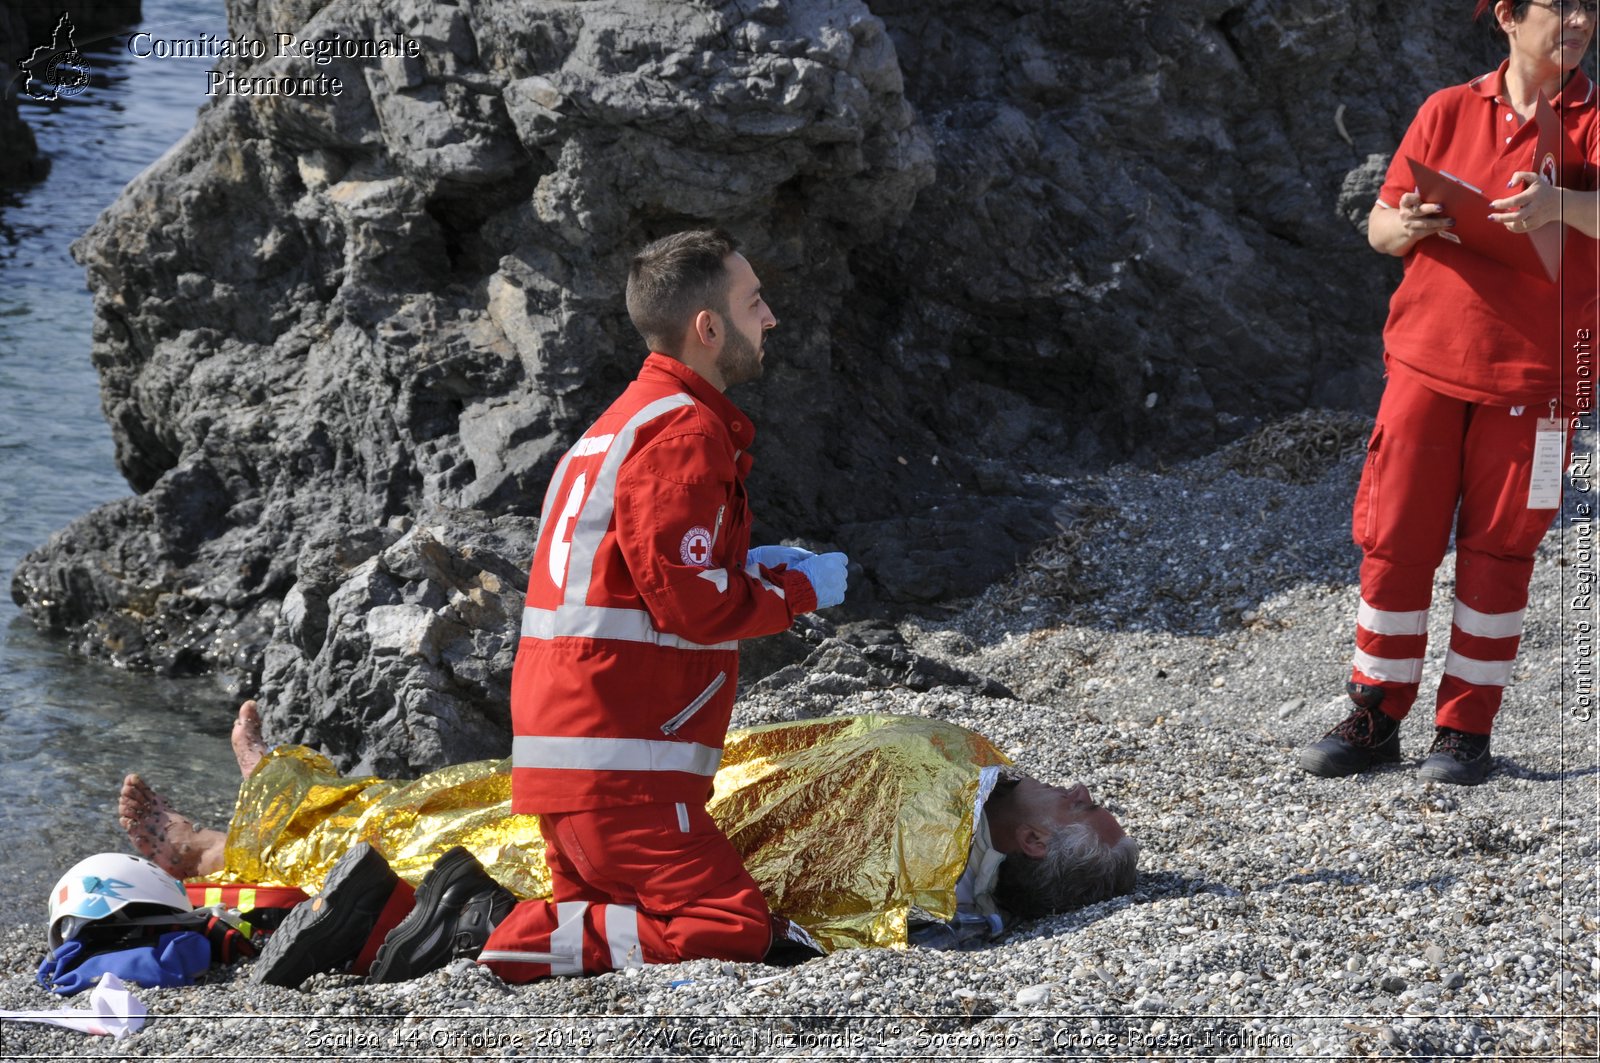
point(1477, 354)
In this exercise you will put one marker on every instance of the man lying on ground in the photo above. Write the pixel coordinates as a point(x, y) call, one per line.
point(863, 831)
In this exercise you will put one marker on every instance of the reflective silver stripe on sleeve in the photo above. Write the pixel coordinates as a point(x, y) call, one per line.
point(1487, 625)
point(1389, 622)
point(595, 517)
point(1389, 669)
point(613, 754)
point(590, 445)
point(556, 479)
point(604, 622)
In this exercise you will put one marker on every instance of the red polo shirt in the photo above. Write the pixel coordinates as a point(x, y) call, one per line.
point(1472, 328)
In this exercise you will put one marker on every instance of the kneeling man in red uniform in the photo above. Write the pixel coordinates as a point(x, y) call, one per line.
point(642, 584)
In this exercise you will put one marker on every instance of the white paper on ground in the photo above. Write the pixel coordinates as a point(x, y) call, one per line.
point(113, 1010)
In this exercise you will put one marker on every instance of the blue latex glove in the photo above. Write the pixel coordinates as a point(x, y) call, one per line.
point(773, 556)
point(173, 960)
point(828, 573)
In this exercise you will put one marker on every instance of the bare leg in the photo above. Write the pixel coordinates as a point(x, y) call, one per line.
point(248, 745)
point(172, 841)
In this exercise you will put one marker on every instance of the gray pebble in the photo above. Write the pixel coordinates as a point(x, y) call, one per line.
point(1307, 887)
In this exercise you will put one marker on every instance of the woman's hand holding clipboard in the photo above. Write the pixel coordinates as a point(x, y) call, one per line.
point(1486, 227)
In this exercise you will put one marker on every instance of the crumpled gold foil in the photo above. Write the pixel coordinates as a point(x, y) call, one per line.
point(295, 816)
point(847, 823)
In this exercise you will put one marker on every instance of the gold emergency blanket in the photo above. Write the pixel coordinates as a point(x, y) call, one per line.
point(847, 822)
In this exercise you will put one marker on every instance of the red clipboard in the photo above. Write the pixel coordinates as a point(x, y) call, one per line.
point(1538, 252)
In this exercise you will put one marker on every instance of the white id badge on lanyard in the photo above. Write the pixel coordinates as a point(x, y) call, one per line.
point(1549, 447)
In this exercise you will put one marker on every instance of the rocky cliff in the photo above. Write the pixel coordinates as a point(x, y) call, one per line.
point(342, 340)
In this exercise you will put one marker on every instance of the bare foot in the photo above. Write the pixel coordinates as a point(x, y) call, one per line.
point(248, 745)
point(172, 841)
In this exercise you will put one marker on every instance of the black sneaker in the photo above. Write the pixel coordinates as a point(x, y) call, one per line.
point(1456, 757)
point(1362, 739)
point(327, 932)
point(457, 905)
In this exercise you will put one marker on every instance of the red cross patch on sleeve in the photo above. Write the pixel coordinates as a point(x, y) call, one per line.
point(696, 547)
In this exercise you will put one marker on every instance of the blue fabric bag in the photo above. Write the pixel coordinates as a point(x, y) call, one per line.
point(174, 959)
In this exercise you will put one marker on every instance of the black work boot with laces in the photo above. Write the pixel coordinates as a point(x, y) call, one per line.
point(1456, 757)
point(327, 932)
point(1361, 740)
point(457, 905)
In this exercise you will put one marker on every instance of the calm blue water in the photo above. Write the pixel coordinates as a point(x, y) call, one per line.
point(70, 730)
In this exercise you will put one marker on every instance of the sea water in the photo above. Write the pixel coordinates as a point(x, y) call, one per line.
point(71, 729)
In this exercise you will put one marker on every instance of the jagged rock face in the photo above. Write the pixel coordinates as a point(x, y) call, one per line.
point(394, 646)
point(1001, 240)
point(1134, 226)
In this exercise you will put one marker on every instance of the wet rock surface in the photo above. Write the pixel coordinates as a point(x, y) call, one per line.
point(1002, 249)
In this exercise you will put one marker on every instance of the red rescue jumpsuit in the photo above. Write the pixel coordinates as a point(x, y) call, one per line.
point(1476, 353)
point(624, 684)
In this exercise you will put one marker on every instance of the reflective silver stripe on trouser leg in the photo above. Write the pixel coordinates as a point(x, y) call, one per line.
point(1389, 669)
point(622, 935)
point(1487, 625)
point(567, 938)
point(1478, 673)
point(1391, 622)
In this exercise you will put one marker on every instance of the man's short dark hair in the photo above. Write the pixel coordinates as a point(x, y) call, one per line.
point(675, 278)
point(1078, 868)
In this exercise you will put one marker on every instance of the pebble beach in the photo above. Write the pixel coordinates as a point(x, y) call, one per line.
point(1177, 643)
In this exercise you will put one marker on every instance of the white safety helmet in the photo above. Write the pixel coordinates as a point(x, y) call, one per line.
point(102, 885)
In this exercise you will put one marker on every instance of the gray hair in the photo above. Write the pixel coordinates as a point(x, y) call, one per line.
point(1078, 868)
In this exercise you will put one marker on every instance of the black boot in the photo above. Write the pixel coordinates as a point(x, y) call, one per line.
point(457, 905)
point(1456, 757)
point(1364, 738)
point(328, 932)
point(791, 944)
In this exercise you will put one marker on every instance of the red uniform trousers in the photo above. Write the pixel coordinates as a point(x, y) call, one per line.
point(1428, 453)
point(632, 885)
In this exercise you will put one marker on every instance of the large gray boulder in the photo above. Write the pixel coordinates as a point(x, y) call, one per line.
point(395, 643)
point(1003, 241)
